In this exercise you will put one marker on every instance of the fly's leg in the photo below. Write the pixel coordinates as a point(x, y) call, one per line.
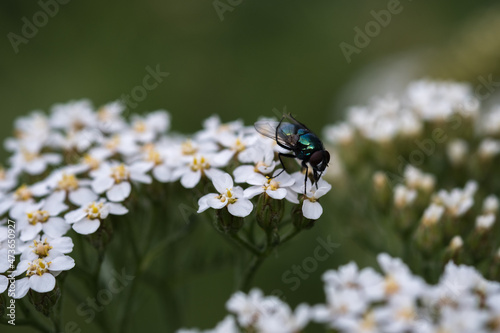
point(281, 161)
point(304, 165)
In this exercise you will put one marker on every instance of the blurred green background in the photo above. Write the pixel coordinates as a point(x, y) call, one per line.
point(262, 55)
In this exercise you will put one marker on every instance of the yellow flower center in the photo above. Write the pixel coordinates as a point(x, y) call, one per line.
point(113, 142)
point(22, 193)
point(67, 182)
point(92, 162)
point(38, 267)
point(29, 156)
point(153, 156)
point(238, 145)
point(140, 126)
point(94, 210)
point(200, 164)
point(38, 216)
point(2, 173)
point(119, 173)
point(272, 184)
point(41, 248)
point(187, 148)
point(391, 285)
point(259, 164)
point(103, 114)
point(406, 314)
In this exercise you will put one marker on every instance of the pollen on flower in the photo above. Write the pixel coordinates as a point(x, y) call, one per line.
point(153, 156)
point(391, 285)
point(200, 164)
point(140, 126)
point(187, 148)
point(38, 216)
point(68, 182)
point(239, 146)
point(272, 184)
point(38, 267)
point(258, 165)
point(94, 210)
point(92, 162)
point(113, 143)
point(22, 193)
point(29, 156)
point(41, 248)
point(120, 173)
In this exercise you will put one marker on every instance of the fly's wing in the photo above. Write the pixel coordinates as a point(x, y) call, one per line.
point(267, 128)
point(297, 123)
point(283, 133)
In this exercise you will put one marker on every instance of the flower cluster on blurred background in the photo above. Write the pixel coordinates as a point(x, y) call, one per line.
point(87, 191)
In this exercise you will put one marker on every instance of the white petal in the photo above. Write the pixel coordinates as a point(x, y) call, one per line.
point(215, 202)
point(55, 227)
point(202, 202)
point(252, 191)
point(82, 196)
point(42, 284)
point(62, 263)
point(62, 244)
point(119, 192)
point(141, 178)
point(312, 210)
point(102, 184)
point(54, 203)
point(86, 226)
point(141, 167)
point(35, 167)
point(22, 287)
point(242, 173)
point(30, 232)
point(162, 173)
point(223, 182)
point(242, 207)
point(190, 179)
point(75, 215)
point(117, 209)
point(279, 193)
point(21, 267)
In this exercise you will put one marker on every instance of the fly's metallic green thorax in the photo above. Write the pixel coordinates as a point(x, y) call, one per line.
point(306, 142)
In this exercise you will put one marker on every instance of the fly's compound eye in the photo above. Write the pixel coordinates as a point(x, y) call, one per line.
point(316, 158)
point(320, 159)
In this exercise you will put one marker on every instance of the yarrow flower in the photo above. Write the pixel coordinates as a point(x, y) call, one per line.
point(87, 219)
point(228, 196)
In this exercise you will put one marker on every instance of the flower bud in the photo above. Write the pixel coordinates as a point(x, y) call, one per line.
point(454, 250)
point(403, 196)
point(490, 204)
point(44, 302)
point(225, 222)
point(457, 151)
point(484, 222)
point(269, 212)
point(428, 236)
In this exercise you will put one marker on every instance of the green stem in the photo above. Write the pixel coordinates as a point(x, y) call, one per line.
point(245, 244)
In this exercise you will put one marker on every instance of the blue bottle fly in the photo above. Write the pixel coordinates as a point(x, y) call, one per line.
point(302, 143)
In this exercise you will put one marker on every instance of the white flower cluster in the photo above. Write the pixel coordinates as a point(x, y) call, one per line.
point(367, 301)
point(389, 117)
point(76, 166)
